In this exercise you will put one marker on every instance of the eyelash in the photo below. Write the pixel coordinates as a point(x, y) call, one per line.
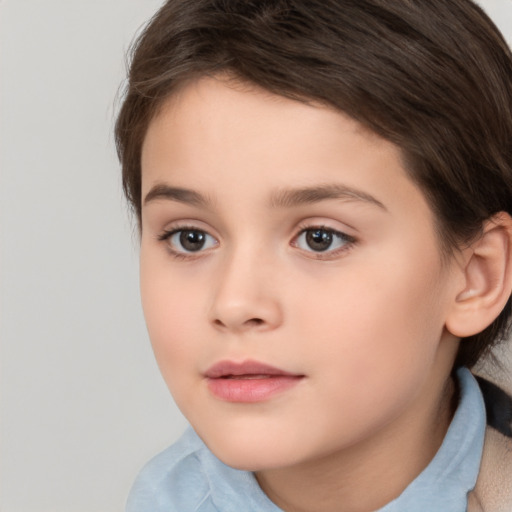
point(348, 242)
point(327, 254)
point(166, 236)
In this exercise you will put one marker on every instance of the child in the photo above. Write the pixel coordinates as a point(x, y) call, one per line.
point(324, 190)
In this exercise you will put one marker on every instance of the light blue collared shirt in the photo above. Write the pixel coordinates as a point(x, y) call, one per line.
point(187, 477)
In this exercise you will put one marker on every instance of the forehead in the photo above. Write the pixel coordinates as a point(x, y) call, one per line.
point(208, 102)
point(213, 134)
point(228, 115)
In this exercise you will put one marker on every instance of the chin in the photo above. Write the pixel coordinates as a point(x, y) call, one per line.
point(251, 460)
point(250, 453)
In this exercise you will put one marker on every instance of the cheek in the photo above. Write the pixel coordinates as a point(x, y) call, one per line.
point(372, 349)
point(170, 310)
point(376, 320)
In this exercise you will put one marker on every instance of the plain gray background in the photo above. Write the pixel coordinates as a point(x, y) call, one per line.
point(82, 403)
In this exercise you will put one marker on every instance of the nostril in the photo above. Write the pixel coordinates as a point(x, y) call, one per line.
point(251, 322)
point(254, 321)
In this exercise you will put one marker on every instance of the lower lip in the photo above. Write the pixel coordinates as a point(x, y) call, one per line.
point(250, 390)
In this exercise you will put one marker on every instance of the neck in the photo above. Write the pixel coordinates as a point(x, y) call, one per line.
point(367, 476)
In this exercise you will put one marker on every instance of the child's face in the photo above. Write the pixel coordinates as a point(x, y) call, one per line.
point(303, 246)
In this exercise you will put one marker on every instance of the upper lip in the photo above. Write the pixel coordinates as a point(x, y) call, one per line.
point(232, 368)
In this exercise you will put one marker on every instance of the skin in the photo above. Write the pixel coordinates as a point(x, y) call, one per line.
point(363, 322)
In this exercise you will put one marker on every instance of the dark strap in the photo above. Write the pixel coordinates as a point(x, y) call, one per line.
point(498, 406)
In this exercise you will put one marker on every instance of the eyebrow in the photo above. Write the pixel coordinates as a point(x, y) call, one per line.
point(182, 195)
point(287, 198)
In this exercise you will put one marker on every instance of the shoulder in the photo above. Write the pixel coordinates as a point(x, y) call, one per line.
point(493, 491)
point(173, 481)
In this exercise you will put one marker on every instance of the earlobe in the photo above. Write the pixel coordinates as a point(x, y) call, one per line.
point(487, 279)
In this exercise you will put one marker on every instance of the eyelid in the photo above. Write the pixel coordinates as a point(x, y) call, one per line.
point(183, 225)
point(328, 254)
point(167, 233)
point(312, 224)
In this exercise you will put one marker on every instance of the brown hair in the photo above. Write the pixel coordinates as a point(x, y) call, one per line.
point(435, 78)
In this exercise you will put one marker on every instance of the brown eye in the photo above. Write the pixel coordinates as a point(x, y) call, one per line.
point(188, 240)
point(321, 239)
point(192, 240)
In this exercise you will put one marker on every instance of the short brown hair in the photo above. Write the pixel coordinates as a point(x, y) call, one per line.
point(435, 78)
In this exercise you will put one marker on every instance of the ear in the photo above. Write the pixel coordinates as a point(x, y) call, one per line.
point(487, 279)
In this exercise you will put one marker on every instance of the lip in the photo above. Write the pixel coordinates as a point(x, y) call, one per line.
point(248, 381)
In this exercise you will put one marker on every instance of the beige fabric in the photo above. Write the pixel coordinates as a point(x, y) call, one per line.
point(493, 491)
point(498, 367)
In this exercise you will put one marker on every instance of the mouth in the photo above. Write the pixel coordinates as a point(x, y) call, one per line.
point(249, 381)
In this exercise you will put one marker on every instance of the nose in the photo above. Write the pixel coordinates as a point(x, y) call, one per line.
point(246, 297)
